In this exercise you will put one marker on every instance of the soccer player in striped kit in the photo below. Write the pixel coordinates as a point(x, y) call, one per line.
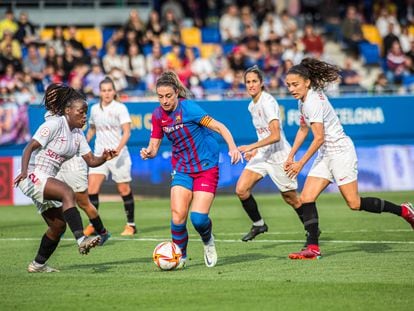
point(54, 142)
point(336, 160)
point(195, 155)
point(266, 156)
point(111, 123)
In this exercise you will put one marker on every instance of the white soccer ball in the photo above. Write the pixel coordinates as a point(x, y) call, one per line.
point(167, 255)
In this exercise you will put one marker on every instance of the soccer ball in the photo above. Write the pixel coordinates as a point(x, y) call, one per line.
point(167, 255)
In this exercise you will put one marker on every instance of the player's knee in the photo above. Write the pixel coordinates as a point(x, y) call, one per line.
point(354, 204)
point(242, 192)
point(56, 229)
point(69, 197)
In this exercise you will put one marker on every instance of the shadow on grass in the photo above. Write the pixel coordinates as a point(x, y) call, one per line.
point(247, 257)
point(103, 267)
point(153, 229)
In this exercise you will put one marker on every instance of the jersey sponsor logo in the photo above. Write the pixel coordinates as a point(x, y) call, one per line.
point(170, 129)
point(54, 155)
point(263, 130)
point(44, 132)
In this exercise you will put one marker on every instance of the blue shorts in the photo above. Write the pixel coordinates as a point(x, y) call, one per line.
point(206, 181)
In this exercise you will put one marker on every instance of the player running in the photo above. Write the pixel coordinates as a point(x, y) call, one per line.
point(336, 160)
point(195, 154)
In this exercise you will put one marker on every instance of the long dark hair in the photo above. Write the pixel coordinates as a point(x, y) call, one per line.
point(255, 69)
point(170, 78)
point(318, 72)
point(60, 96)
point(108, 80)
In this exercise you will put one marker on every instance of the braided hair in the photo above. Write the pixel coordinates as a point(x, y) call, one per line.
point(60, 96)
point(318, 72)
point(170, 78)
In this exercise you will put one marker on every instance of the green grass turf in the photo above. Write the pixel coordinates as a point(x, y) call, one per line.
point(367, 262)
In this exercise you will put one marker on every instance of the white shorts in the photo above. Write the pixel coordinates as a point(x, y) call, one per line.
point(77, 180)
point(119, 167)
point(275, 172)
point(341, 167)
point(33, 187)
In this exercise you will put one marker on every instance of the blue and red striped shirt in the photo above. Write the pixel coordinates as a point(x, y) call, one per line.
point(194, 147)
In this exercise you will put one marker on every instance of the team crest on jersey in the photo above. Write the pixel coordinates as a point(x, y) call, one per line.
point(45, 132)
point(178, 119)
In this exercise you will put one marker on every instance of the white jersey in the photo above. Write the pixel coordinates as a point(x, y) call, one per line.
point(265, 110)
point(108, 122)
point(317, 108)
point(59, 144)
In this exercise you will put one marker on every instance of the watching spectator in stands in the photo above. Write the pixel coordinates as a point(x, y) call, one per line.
point(195, 87)
point(119, 79)
point(219, 63)
point(293, 52)
point(384, 20)
point(173, 58)
point(93, 57)
point(133, 65)
point(155, 58)
point(311, 11)
point(351, 79)
point(78, 73)
point(93, 79)
point(331, 15)
point(78, 48)
point(236, 88)
point(283, 70)
point(51, 76)
point(237, 60)
point(9, 79)
point(153, 75)
point(381, 85)
point(212, 12)
point(288, 22)
point(273, 86)
point(389, 39)
point(171, 29)
point(52, 59)
point(69, 61)
point(6, 57)
point(248, 19)
point(57, 41)
point(230, 25)
point(9, 40)
point(111, 59)
point(271, 25)
point(174, 7)
point(118, 39)
point(195, 65)
point(405, 39)
point(131, 39)
point(273, 58)
point(352, 31)
point(26, 32)
point(313, 43)
point(135, 24)
point(8, 23)
point(153, 28)
point(396, 64)
point(196, 10)
point(410, 58)
point(34, 65)
point(253, 49)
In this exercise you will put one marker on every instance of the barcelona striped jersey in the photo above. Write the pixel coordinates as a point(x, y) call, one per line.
point(194, 147)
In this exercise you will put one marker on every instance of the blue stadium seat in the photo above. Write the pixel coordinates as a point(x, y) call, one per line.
point(370, 53)
point(408, 81)
point(210, 35)
point(147, 49)
point(228, 47)
point(214, 84)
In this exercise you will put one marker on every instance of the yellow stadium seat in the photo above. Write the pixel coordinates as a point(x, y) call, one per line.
point(191, 36)
point(411, 30)
point(46, 34)
point(207, 49)
point(90, 37)
point(371, 34)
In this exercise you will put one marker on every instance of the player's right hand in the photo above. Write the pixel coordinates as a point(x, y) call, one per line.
point(19, 178)
point(145, 153)
point(235, 156)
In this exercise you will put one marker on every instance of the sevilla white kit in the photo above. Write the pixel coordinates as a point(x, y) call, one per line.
point(108, 123)
point(58, 144)
point(269, 159)
point(337, 157)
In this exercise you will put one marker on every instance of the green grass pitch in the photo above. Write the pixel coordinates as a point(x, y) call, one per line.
point(367, 262)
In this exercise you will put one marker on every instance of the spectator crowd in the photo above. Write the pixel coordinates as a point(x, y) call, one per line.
point(248, 32)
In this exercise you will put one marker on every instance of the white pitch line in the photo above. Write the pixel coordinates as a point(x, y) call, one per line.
point(160, 239)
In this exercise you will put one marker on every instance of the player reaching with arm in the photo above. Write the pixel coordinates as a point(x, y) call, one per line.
point(195, 154)
point(54, 142)
point(266, 156)
point(336, 159)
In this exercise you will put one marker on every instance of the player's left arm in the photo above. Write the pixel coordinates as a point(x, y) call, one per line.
point(220, 128)
point(274, 127)
point(126, 134)
point(94, 161)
